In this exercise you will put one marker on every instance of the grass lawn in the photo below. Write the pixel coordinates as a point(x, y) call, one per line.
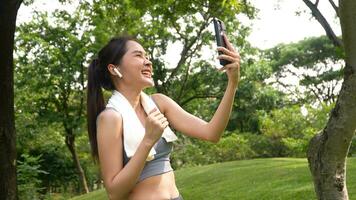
point(257, 179)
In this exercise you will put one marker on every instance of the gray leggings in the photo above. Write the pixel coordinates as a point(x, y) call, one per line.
point(178, 198)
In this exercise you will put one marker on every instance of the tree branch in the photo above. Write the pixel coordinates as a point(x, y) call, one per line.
point(199, 45)
point(316, 3)
point(324, 23)
point(335, 7)
point(184, 81)
point(185, 50)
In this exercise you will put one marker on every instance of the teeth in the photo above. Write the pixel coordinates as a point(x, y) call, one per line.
point(146, 74)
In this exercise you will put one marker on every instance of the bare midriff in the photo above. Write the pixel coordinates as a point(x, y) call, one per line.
point(159, 187)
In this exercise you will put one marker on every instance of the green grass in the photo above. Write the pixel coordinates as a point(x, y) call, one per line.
point(258, 179)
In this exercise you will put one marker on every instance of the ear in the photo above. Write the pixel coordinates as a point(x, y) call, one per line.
point(114, 70)
point(111, 68)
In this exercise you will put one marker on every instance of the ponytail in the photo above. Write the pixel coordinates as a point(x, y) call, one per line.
point(95, 104)
point(99, 77)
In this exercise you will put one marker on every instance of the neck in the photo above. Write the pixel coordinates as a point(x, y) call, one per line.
point(132, 95)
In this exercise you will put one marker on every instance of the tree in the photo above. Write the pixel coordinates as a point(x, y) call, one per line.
point(52, 56)
point(328, 150)
point(315, 63)
point(8, 13)
point(158, 24)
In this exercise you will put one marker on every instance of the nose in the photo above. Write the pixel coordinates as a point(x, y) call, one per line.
point(147, 62)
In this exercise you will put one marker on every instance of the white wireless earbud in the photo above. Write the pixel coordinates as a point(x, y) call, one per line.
point(117, 72)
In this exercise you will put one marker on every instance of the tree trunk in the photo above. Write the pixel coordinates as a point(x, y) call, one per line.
point(70, 138)
point(328, 150)
point(8, 13)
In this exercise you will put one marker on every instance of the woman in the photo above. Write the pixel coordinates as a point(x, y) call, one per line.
point(122, 67)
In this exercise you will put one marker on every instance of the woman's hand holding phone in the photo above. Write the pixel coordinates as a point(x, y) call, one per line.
point(230, 54)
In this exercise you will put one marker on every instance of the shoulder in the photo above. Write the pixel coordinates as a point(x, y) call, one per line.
point(164, 102)
point(109, 130)
point(109, 117)
point(161, 100)
point(159, 96)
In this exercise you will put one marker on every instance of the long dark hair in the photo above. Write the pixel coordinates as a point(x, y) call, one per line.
point(99, 77)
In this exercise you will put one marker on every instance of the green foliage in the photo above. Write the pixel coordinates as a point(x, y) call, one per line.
point(232, 147)
point(317, 65)
point(60, 167)
point(254, 97)
point(28, 181)
point(261, 145)
point(51, 56)
point(284, 132)
point(158, 24)
point(51, 52)
point(290, 130)
point(305, 53)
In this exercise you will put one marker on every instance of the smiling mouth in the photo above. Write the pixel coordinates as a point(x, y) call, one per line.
point(147, 74)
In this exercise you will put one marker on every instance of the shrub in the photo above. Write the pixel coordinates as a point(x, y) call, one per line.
point(28, 171)
point(196, 152)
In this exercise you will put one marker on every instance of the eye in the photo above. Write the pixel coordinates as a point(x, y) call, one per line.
point(143, 56)
point(139, 55)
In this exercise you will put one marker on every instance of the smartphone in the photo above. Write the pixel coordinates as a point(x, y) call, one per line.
point(219, 31)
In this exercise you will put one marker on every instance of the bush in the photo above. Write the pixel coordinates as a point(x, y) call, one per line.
point(197, 152)
point(28, 171)
point(232, 147)
point(289, 130)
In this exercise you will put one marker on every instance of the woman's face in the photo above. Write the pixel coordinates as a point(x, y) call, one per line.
point(135, 66)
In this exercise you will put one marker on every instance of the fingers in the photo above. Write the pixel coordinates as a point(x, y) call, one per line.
point(228, 44)
point(229, 58)
point(228, 52)
point(162, 122)
point(235, 62)
point(158, 117)
point(165, 124)
point(223, 68)
point(228, 66)
point(162, 119)
point(155, 114)
point(152, 111)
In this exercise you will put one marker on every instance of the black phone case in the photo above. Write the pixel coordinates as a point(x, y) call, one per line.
point(219, 30)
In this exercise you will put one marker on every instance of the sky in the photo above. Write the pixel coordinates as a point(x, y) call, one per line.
point(277, 22)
